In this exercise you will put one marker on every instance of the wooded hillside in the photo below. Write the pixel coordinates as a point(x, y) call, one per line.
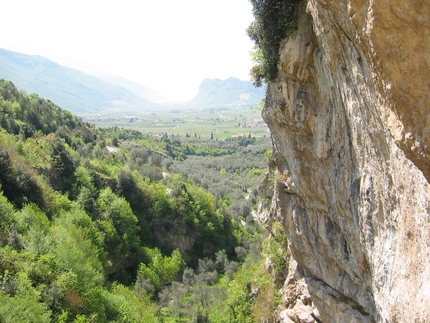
point(99, 225)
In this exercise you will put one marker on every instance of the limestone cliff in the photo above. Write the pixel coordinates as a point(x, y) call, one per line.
point(350, 121)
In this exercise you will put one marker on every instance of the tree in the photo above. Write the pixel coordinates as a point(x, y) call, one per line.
point(34, 227)
point(119, 225)
point(63, 167)
point(25, 306)
point(18, 181)
point(6, 219)
point(274, 20)
point(161, 269)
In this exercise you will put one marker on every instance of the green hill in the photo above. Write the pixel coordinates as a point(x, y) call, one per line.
point(73, 90)
point(232, 91)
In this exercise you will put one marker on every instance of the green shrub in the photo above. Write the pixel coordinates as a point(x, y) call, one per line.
point(274, 20)
point(161, 269)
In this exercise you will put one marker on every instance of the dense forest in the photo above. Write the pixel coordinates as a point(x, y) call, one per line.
point(110, 225)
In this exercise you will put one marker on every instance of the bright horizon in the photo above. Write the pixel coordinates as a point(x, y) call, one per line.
point(169, 46)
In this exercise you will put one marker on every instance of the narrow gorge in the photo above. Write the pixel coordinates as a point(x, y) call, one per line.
point(350, 125)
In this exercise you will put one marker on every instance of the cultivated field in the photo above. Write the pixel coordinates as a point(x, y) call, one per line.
point(183, 121)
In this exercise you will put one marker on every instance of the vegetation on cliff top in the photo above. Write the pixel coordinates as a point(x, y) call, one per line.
point(274, 20)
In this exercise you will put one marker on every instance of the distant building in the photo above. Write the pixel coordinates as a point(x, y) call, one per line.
point(112, 150)
point(256, 122)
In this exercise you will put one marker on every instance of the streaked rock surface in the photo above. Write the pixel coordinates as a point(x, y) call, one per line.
point(349, 115)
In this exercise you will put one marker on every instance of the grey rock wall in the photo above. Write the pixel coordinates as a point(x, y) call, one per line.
point(349, 120)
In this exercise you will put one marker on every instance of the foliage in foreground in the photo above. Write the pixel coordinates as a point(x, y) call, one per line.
point(89, 234)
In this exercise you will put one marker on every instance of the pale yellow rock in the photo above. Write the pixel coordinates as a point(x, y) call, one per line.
point(349, 116)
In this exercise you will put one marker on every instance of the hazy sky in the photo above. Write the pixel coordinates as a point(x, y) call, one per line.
point(169, 46)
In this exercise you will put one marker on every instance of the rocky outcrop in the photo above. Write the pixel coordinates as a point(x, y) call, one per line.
point(297, 303)
point(349, 116)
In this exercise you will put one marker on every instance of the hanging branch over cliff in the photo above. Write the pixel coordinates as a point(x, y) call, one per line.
point(274, 20)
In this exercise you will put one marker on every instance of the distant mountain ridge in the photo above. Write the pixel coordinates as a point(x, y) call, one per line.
point(136, 88)
point(89, 94)
point(78, 92)
point(232, 91)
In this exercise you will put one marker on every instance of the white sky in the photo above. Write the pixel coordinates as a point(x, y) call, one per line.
point(170, 46)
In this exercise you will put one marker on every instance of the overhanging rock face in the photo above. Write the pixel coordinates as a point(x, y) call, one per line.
point(349, 115)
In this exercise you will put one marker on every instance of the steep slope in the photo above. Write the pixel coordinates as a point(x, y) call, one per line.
point(350, 125)
point(75, 91)
point(215, 92)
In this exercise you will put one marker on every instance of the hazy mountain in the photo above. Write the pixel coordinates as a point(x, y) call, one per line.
point(81, 93)
point(140, 90)
point(231, 91)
